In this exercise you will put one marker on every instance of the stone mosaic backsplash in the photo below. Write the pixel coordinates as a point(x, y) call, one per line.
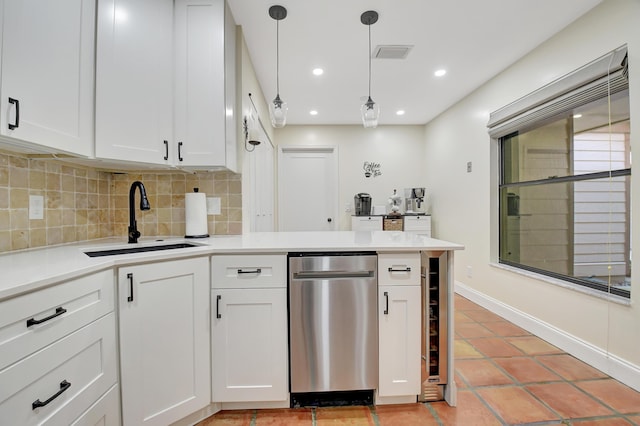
point(82, 204)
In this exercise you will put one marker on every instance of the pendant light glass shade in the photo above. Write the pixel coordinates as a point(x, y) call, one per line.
point(370, 110)
point(278, 112)
point(370, 113)
point(278, 108)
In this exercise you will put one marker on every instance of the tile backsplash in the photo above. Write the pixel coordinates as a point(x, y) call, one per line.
point(82, 204)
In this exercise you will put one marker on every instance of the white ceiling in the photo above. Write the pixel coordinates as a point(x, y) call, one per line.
point(472, 39)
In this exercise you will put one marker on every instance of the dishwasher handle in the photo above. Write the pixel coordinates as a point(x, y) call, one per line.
point(327, 275)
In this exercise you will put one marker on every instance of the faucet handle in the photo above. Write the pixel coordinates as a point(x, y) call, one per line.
point(134, 234)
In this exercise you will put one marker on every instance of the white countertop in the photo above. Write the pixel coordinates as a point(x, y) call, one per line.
point(28, 270)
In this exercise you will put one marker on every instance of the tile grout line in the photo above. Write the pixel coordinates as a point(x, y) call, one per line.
point(515, 383)
point(523, 386)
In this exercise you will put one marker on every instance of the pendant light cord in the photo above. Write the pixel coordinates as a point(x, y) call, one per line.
point(277, 58)
point(369, 53)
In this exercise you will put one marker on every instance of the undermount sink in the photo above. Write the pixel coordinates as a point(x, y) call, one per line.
point(138, 249)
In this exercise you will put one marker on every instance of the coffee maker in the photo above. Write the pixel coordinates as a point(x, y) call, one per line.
point(414, 200)
point(362, 204)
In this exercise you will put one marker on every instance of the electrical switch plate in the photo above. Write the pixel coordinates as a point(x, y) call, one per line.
point(36, 207)
point(213, 205)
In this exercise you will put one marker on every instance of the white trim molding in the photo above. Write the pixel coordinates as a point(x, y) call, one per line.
point(616, 367)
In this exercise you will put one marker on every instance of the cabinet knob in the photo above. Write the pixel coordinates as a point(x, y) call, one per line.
point(329, 219)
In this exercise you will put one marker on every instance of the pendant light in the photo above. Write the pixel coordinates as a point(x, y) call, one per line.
point(370, 110)
point(278, 108)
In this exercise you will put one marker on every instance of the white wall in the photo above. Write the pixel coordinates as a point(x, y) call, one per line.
point(400, 150)
point(605, 333)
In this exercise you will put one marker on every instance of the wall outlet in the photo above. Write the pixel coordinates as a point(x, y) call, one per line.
point(469, 165)
point(36, 207)
point(469, 271)
point(347, 207)
point(213, 205)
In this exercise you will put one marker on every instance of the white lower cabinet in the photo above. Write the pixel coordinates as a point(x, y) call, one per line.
point(399, 337)
point(249, 345)
point(249, 328)
point(399, 305)
point(57, 384)
point(164, 340)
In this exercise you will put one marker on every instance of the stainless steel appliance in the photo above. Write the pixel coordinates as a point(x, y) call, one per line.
point(435, 333)
point(414, 200)
point(333, 326)
point(362, 204)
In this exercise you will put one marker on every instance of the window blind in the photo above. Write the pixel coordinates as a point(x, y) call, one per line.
point(604, 76)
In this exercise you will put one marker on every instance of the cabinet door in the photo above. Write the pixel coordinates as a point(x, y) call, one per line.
point(200, 82)
point(164, 340)
point(249, 345)
point(134, 81)
point(399, 340)
point(48, 73)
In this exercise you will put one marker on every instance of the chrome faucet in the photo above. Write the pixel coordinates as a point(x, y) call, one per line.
point(144, 205)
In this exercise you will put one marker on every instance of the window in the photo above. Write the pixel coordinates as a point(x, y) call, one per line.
point(564, 188)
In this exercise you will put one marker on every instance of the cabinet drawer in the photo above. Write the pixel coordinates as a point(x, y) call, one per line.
point(78, 368)
point(399, 269)
point(69, 306)
point(366, 223)
point(249, 271)
point(106, 411)
point(417, 223)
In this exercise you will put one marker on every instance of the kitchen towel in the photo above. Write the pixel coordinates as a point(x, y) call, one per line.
point(195, 209)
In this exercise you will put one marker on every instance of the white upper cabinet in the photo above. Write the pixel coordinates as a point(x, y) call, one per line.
point(165, 83)
point(134, 79)
point(47, 75)
point(205, 113)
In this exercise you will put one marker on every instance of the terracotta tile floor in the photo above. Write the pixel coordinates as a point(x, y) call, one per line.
point(505, 376)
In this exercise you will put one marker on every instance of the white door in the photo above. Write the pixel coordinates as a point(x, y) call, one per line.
point(249, 344)
point(134, 81)
point(47, 72)
point(164, 340)
point(307, 188)
point(262, 190)
point(399, 340)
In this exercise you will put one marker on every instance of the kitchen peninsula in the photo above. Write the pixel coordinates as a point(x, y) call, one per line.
point(215, 313)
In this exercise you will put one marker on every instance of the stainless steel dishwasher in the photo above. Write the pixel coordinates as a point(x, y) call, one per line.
point(333, 326)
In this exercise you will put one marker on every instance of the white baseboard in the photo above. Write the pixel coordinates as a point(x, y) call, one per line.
point(614, 366)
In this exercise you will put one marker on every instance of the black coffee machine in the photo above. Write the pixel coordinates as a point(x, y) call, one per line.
point(362, 204)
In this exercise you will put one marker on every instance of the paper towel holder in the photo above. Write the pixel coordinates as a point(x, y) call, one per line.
point(205, 235)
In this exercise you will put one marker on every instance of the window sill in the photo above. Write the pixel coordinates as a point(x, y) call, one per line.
point(565, 284)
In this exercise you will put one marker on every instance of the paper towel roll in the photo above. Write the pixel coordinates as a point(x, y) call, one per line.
point(195, 209)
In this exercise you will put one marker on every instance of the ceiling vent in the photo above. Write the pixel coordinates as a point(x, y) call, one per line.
point(392, 52)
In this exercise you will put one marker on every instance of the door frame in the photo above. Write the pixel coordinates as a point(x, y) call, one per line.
point(333, 150)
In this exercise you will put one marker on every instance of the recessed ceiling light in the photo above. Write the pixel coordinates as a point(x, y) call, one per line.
point(318, 71)
point(313, 112)
point(577, 115)
point(440, 73)
point(400, 112)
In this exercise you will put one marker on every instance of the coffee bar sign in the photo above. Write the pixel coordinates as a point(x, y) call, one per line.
point(371, 169)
